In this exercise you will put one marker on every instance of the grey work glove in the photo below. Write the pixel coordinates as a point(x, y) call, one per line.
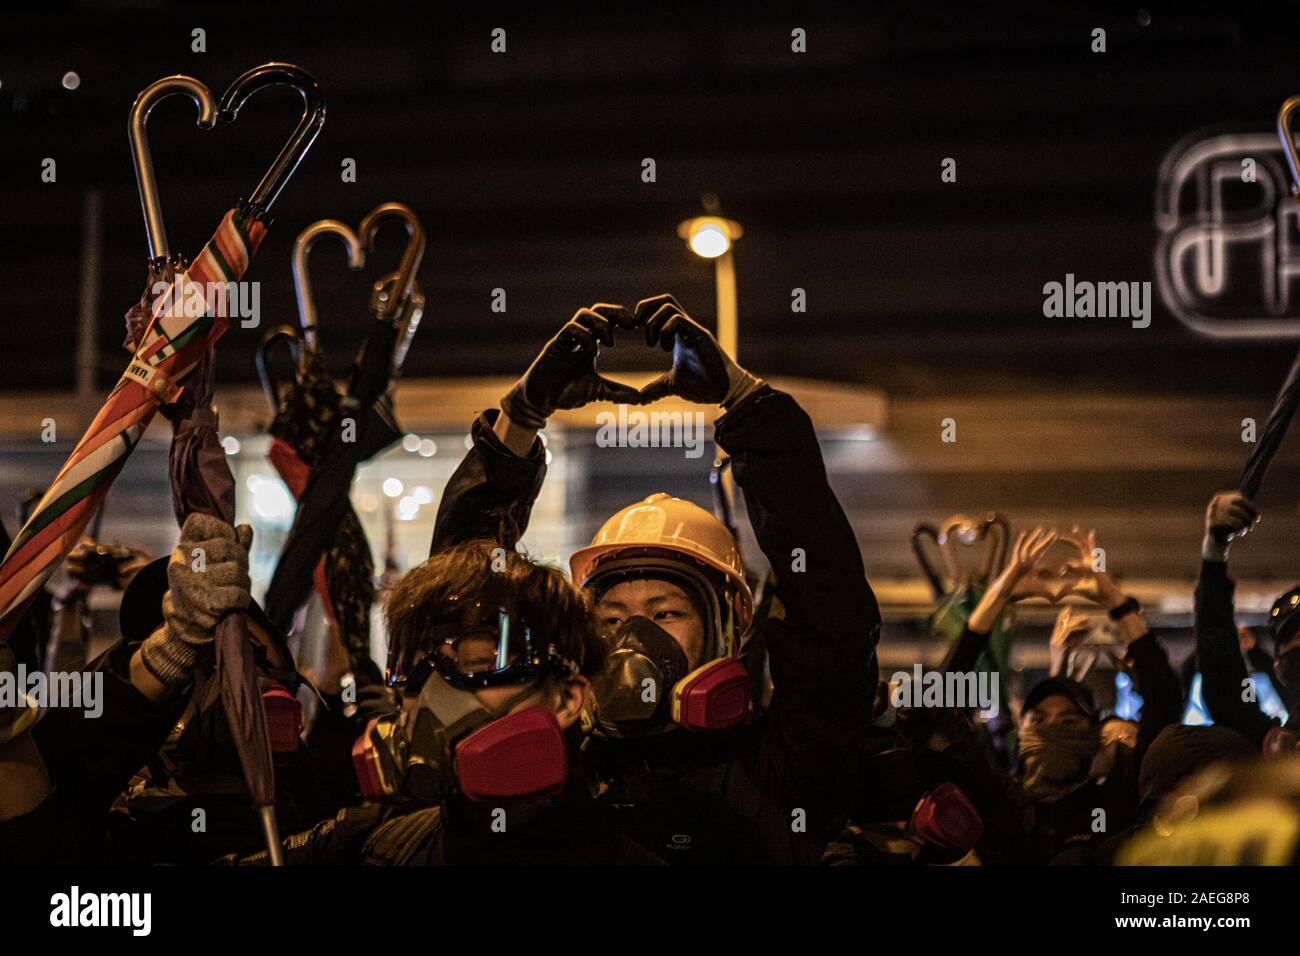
point(702, 371)
point(207, 579)
point(1228, 516)
point(564, 373)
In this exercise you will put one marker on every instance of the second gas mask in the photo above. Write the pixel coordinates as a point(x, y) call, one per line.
point(646, 686)
point(449, 742)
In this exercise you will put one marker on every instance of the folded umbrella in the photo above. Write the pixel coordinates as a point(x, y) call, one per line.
point(306, 410)
point(324, 507)
point(1275, 429)
point(344, 577)
point(364, 425)
point(202, 481)
point(1288, 396)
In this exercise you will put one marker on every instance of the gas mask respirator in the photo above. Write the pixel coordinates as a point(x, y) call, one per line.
point(646, 686)
point(449, 742)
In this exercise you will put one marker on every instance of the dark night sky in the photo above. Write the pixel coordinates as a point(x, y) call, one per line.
point(525, 168)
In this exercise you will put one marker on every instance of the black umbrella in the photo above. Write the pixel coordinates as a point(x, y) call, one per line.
point(1288, 396)
point(307, 407)
point(365, 425)
point(1270, 439)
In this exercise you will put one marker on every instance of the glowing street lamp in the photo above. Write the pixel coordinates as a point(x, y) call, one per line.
point(711, 237)
point(708, 236)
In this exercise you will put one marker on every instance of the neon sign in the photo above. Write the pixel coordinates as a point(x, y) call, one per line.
point(1229, 250)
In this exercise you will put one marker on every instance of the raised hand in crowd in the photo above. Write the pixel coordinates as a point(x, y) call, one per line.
point(1229, 515)
point(207, 579)
point(702, 371)
point(1022, 565)
point(91, 564)
point(1071, 629)
point(1087, 577)
point(564, 374)
point(88, 566)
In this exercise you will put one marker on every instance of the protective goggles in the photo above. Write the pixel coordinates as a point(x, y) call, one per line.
point(484, 645)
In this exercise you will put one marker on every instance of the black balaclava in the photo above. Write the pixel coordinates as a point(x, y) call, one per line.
point(1055, 760)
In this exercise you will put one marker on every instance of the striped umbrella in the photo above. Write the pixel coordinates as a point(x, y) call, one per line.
point(173, 343)
point(185, 324)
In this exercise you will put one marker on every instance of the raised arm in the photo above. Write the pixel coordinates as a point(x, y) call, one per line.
point(1144, 656)
point(1020, 578)
point(1224, 680)
point(822, 643)
point(491, 494)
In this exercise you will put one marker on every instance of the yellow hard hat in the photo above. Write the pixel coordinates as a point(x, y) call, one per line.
point(662, 523)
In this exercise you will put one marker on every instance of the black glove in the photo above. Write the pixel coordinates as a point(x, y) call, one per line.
point(702, 371)
point(564, 373)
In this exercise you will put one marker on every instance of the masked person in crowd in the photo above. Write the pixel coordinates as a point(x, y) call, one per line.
point(695, 773)
point(1072, 788)
point(1225, 683)
point(491, 654)
point(61, 775)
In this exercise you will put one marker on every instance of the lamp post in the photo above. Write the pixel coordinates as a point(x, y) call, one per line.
point(711, 237)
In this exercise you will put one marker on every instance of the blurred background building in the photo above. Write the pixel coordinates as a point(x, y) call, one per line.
point(924, 297)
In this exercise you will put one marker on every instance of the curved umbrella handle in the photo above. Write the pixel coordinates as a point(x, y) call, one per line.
point(302, 247)
point(304, 134)
point(958, 529)
point(411, 256)
point(932, 574)
point(142, 156)
point(270, 384)
point(381, 293)
point(997, 533)
point(1288, 141)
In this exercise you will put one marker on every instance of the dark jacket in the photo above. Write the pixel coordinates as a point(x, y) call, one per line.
point(576, 831)
point(102, 808)
point(1218, 652)
point(89, 761)
point(776, 790)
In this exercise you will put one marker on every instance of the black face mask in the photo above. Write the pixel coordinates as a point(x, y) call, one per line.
point(634, 688)
point(1288, 670)
point(1055, 759)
